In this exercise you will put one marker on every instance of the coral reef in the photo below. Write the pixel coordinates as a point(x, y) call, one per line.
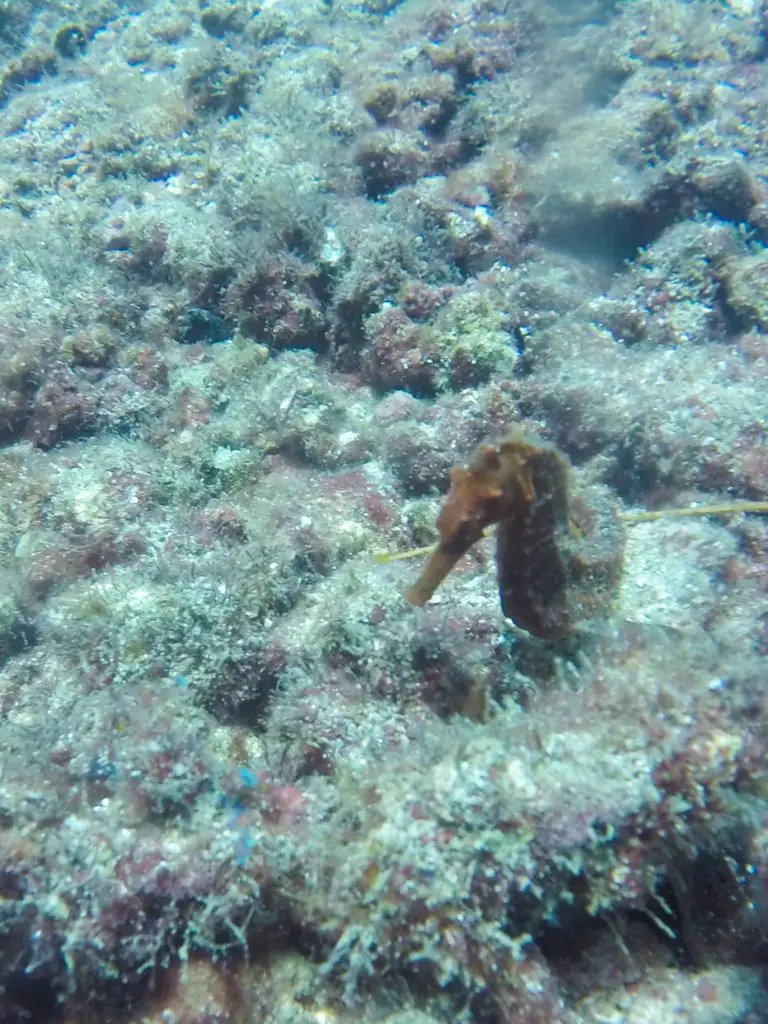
point(269, 272)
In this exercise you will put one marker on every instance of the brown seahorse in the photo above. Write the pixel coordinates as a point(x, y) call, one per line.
point(523, 486)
